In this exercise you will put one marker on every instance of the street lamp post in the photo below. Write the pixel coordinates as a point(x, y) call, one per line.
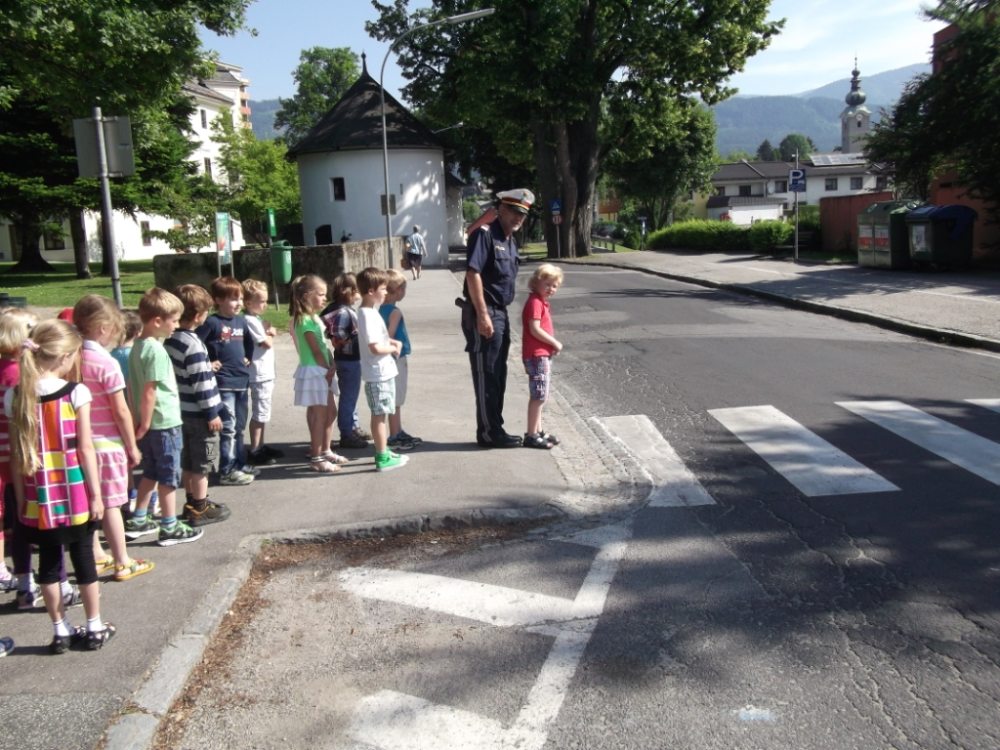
point(460, 18)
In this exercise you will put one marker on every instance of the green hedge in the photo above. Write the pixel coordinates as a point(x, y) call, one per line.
point(701, 234)
point(721, 236)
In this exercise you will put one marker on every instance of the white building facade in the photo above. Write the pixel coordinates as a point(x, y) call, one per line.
point(223, 95)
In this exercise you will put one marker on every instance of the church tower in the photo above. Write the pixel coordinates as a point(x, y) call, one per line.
point(855, 120)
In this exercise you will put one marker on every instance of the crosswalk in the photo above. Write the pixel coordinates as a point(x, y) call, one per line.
point(803, 458)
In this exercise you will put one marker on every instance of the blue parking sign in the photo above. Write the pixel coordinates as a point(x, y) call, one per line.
point(797, 180)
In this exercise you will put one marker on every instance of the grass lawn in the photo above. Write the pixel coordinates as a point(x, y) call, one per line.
point(61, 288)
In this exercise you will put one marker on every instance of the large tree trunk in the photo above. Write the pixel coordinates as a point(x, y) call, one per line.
point(81, 257)
point(29, 233)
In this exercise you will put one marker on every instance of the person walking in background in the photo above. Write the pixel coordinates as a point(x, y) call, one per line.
point(399, 439)
point(490, 279)
point(55, 476)
point(201, 407)
point(230, 349)
point(100, 323)
point(416, 249)
point(315, 383)
point(538, 346)
point(156, 412)
point(378, 368)
point(341, 323)
point(262, 372)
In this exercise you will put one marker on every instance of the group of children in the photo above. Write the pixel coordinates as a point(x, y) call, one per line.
point(170, 390)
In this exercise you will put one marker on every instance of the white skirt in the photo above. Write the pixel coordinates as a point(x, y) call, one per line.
point(311, 386)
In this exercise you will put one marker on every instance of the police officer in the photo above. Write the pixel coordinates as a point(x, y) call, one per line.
point(490, 277)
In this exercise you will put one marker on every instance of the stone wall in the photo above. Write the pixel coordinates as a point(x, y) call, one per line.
point(327, 261)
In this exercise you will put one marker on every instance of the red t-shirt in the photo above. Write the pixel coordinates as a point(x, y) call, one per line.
point(536, 308)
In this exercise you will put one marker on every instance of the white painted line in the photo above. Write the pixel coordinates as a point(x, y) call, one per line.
point(395, 721)
point(675, 486)
point(961, 447)
point(809, 462)
point(484, 602)
point(992, 404)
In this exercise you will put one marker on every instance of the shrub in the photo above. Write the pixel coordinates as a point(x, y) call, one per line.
point(702, 235)
point(765, 236)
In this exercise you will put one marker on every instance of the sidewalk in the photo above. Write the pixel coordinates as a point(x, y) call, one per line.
point(961, 308)
point(165, 618)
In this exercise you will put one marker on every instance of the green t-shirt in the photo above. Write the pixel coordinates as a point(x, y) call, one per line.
point(149, 362)
point(309, 324)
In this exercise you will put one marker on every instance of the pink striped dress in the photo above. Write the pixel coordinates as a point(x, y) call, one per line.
point(103, 376)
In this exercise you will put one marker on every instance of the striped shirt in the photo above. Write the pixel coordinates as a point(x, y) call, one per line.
point(102, 375)
point(195, 378)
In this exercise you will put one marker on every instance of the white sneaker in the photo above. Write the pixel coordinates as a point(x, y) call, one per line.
point(236, 478)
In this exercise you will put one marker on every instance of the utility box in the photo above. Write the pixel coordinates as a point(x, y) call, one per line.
point(882, 238)
point(941, 236)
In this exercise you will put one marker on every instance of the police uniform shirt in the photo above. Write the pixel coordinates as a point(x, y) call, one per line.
point(495, 258)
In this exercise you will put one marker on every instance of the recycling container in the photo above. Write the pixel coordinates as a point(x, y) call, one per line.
point(882, 236)
point(941, 236)
point(281, 262)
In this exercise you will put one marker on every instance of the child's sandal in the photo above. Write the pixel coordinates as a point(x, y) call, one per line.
point(536, 440)
point(105, 565)
point(320, 465)
point(135, 568)
point(335, 458)
point(61, 643)
point(549, 437)
point(97, 639)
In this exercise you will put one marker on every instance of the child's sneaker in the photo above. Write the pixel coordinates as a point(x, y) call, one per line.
point(251, 470)
point(267, 450)
point(235, 478)
point(135, 528)
point(71, 598)
point(352, 441)
point(213, 513)
point(407, 437)
point(260, 457)
point(388, 461)
point(181, 533)
point(6, 646)
point(8, 581)
point(400, 443)
point(28, 600)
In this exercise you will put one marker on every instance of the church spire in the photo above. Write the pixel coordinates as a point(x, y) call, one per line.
point(855, 120)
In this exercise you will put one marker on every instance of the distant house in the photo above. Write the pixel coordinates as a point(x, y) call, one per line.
point(342, 179)
point(225, 93)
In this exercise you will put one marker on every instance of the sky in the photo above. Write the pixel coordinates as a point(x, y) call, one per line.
point(817, 46)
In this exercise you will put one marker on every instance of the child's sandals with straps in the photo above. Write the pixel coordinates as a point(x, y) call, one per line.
point(321, 465)
point(97, 638)
point(335, 458)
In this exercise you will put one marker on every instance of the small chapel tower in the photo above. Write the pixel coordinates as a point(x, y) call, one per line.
point(855, 120)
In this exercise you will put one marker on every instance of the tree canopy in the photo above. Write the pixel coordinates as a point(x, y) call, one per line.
point(549, 89)
point(58, 58)
point(767, 152)
point(323, 75)
point(795, 144)
point(948, 120)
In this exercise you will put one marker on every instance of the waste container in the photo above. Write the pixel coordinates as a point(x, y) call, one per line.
point(882, 238)
point(941, 236)
point(281, 262)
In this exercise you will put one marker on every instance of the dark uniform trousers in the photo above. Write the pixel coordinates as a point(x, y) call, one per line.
point(488, 359)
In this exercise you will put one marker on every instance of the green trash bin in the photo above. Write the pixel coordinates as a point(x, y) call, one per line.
point(281, 262)
point(941, 236)
point(882, 237)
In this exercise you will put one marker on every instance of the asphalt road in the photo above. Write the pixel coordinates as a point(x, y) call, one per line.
point(817, 570)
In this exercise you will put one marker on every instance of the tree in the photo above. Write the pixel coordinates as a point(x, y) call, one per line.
point(949, 119)
point(60, 58)
point(767, 152)
point(323, 75)
point(681, 161)
point(260, 177)
point(795, 144)
point(594, 74)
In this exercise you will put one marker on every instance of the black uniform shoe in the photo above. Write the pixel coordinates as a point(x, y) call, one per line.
point(500, 440)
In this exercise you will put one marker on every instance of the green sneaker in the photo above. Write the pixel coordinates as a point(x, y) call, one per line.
point(388, 461)
point(135, 529)
point(181, 533)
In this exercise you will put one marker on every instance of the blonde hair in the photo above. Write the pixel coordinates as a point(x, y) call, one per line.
point(93, 311)
point(254, 288)
point(15, 325)
point(159, 303)
point(300, 287)
point(131, 327)
point(395, 279)
point(50, 341)
point(545, 272)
